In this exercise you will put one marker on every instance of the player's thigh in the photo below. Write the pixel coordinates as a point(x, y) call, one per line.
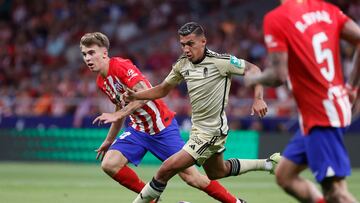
point(288, 170)
point(330, 185)
point(130, 145)
point(173, 165)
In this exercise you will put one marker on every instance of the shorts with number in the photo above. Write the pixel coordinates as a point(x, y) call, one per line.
point(202, 146)
point(322, 150)
point(134, 144)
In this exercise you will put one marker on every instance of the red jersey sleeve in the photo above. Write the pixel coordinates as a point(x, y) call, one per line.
point(341, 17)
point(274, 36)
point(129, 74)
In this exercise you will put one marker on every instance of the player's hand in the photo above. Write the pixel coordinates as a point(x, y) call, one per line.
point(129, 95)
point(259, 108)
point(105, 118)
point(101, 151)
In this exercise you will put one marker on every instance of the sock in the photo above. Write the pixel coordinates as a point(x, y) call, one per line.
point(218, 192)
point(129, 179)
point(151, 191)
point(241, 166)
point(322, 200)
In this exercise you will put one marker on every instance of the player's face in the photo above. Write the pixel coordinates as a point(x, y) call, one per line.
point(94, 57)
point(193, 46)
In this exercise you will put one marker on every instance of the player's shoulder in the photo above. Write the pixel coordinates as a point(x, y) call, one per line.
point(275, 13)
point(121, 61)
point(181, 61)
point(212, 54)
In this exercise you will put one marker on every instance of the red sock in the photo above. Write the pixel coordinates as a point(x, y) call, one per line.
point(129, 179)
point(218, 192)
point(322, 200)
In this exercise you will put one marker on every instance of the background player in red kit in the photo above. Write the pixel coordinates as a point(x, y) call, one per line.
point(302, 37)
point(152, 128)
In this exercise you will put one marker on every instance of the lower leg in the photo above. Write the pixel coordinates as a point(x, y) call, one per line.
point(287, 177)
point(114, 164)
point(174, 164)
point(211, 187)
point(241, 166)
point(129, 179)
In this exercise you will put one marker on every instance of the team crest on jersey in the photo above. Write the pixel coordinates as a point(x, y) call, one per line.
point(187, 73)
point(206, 72)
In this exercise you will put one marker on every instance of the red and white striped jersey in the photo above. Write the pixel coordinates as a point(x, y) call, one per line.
point(152, 117)
point(309, 32)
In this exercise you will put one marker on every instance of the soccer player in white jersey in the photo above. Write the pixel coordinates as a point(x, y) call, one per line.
point(208, 77)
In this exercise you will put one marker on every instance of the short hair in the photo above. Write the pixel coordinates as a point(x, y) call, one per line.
point(96, 38)
point(191, 27)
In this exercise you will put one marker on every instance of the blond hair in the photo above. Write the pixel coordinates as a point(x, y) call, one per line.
point(95, 38)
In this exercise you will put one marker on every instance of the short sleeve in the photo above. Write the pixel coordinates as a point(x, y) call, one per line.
point(174, 76)
point(232, 66)
point(341, 17)
point(128, 73)
point(274, 36)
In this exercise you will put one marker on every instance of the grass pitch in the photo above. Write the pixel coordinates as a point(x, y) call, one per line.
point(86, 183)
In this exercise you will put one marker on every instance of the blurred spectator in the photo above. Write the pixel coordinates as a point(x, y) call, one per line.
point(42, 73)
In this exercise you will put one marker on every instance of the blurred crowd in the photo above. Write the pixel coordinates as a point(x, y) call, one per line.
point(42, 72)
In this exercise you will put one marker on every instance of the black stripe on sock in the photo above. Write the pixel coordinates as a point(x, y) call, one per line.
point(156, 185)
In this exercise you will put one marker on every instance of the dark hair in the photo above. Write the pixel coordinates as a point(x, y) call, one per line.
point(191, 27)
point(96, 38)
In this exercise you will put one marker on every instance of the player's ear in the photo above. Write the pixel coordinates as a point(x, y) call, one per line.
point(106, 53)
point(203, 40)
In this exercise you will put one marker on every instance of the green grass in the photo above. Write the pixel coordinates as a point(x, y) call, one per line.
point(83, 183)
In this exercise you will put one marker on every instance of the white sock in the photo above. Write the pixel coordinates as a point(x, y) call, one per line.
point(147, 194)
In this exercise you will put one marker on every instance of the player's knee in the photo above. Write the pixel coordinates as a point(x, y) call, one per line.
point(110, 168)
point(281, 180)
point(215, 175)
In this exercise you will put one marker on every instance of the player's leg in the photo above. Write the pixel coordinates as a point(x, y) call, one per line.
point(173, 165)
point(217, 168)
point(287, 173)
point(168, 144)
point(329, 161)
point(127, 148)
point(335, 190)
point(212, 187)
point(288, 178)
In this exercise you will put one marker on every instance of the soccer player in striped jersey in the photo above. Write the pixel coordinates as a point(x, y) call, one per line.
point(208, 78)
point(152, 128)
point(302, 37)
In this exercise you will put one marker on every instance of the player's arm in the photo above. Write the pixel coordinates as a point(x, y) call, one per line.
point(253, 70)
point(275, 73)
point(351, 33)
point(259, 106)
point(122, 113)
point(156, 92)
point(110, 137)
